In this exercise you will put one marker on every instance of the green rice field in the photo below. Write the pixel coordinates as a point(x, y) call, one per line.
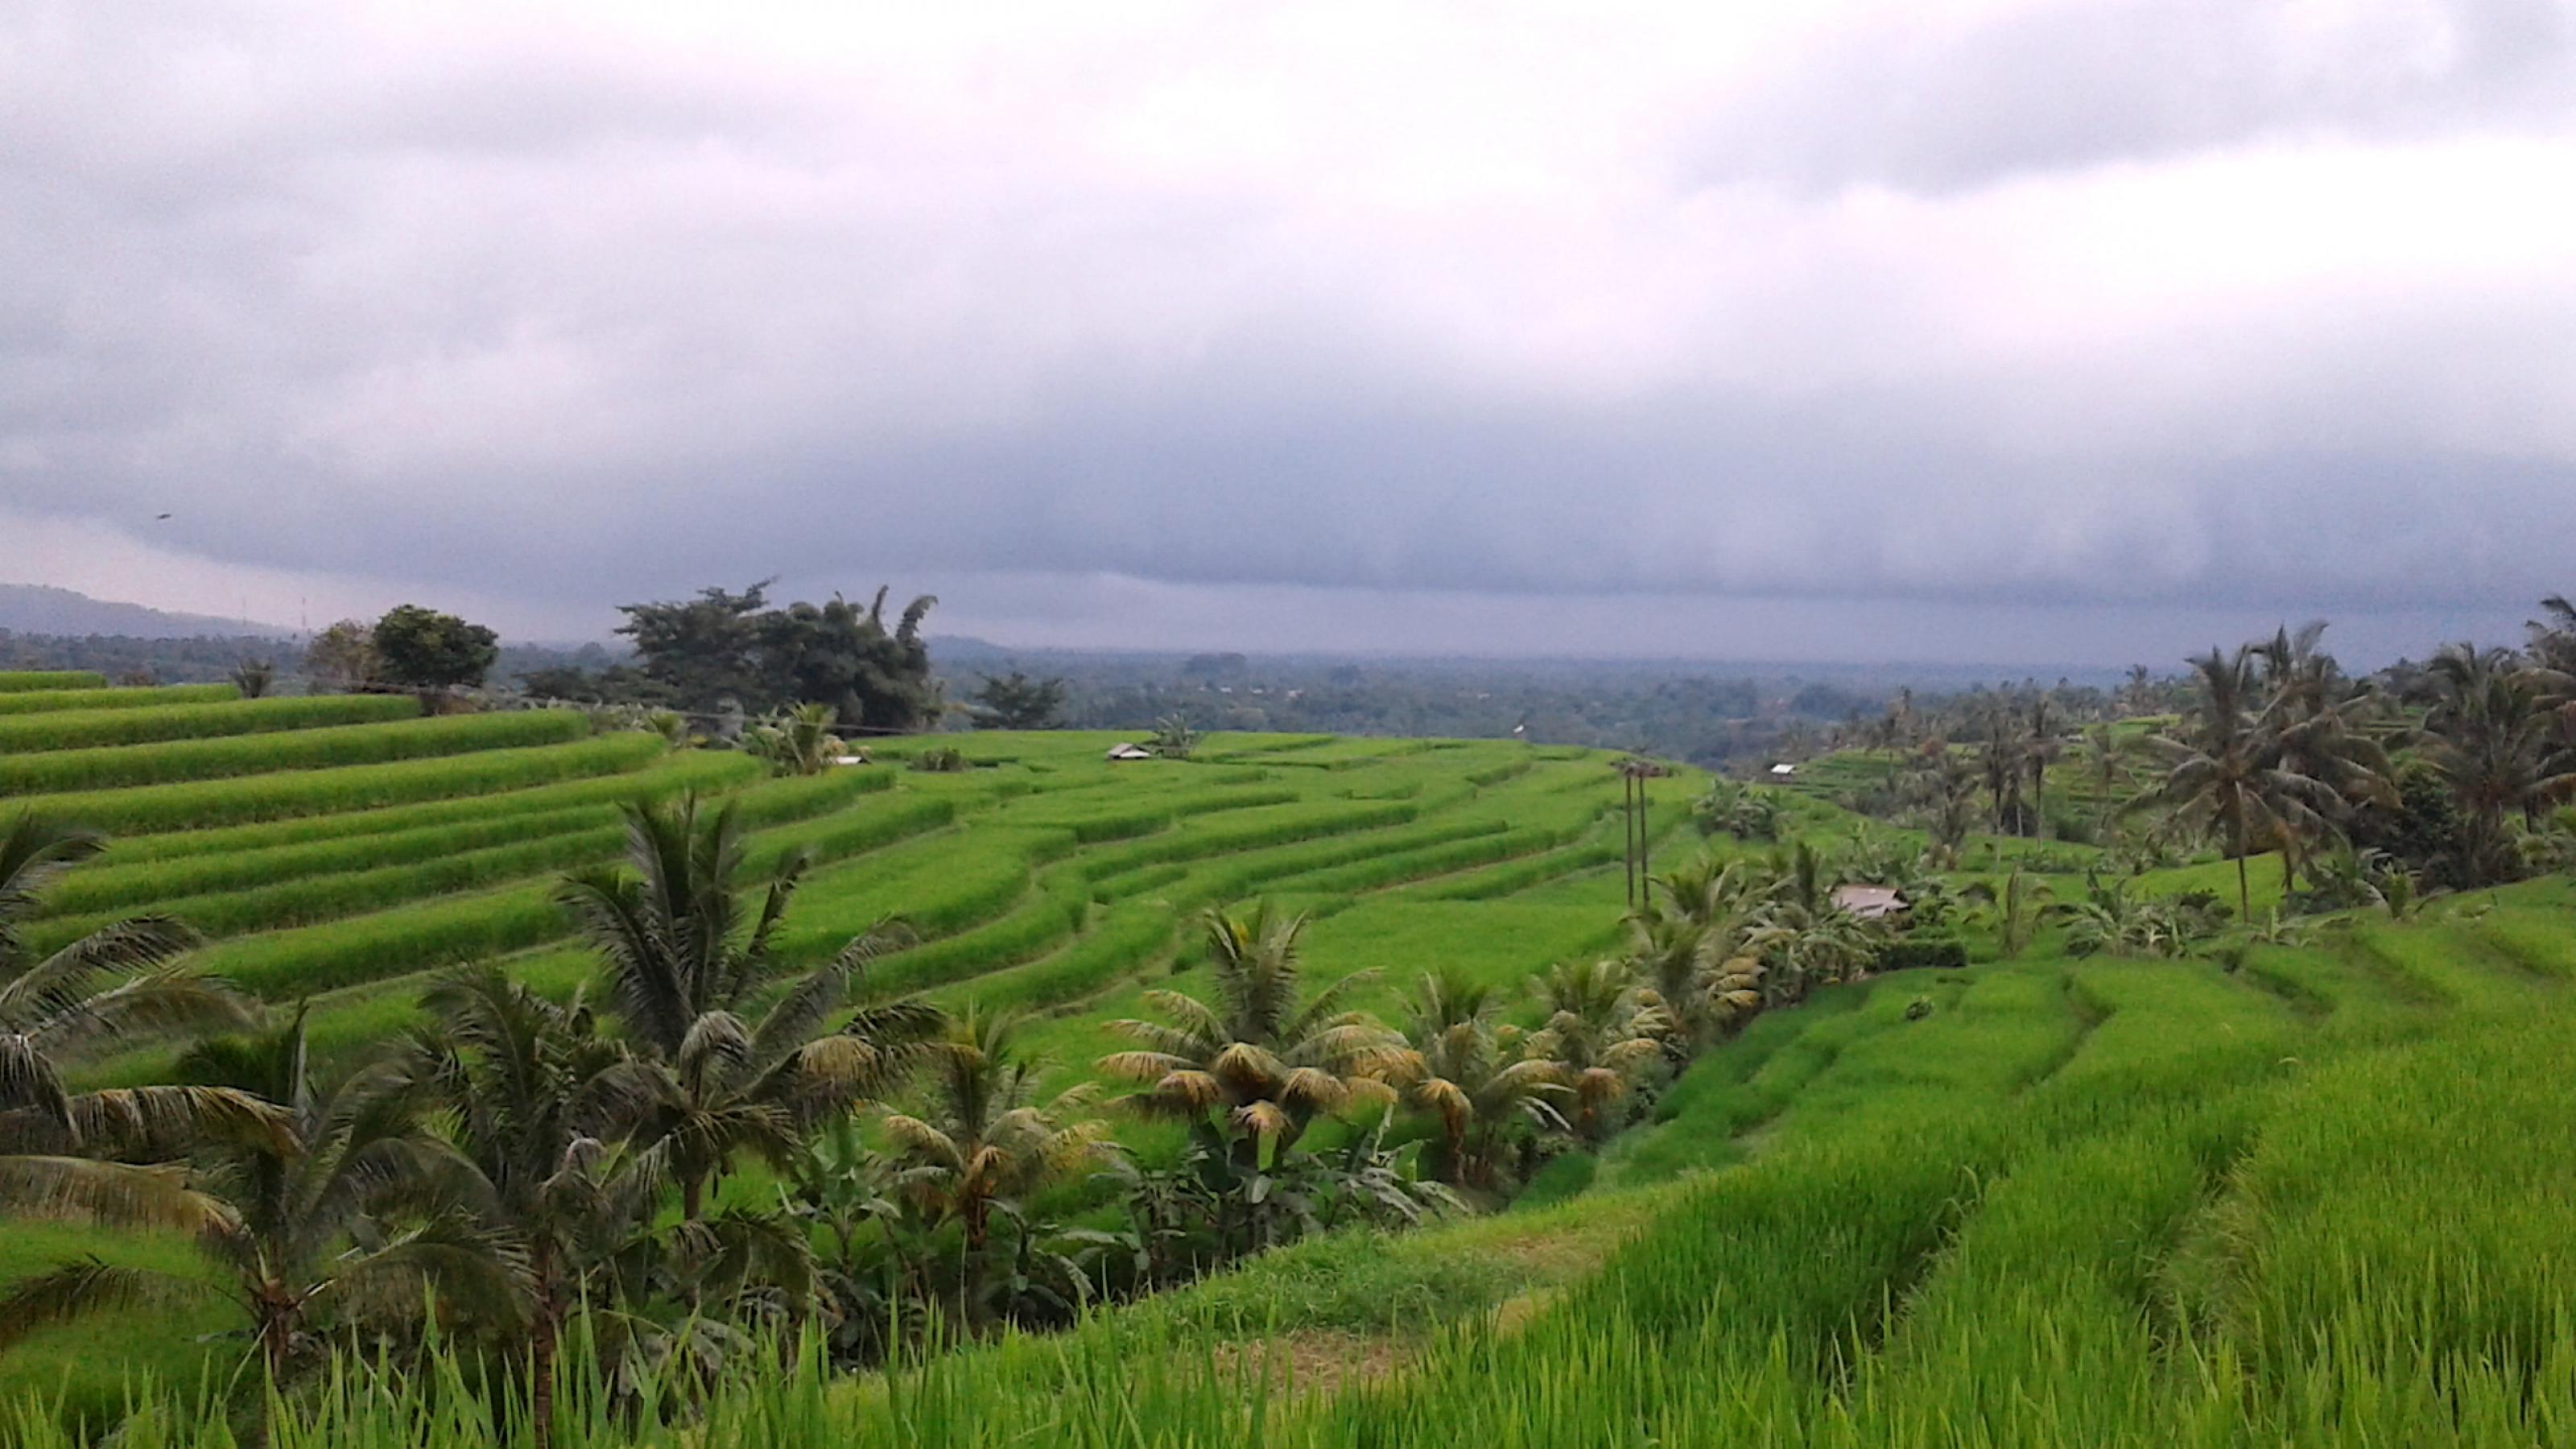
point(2312, 1194)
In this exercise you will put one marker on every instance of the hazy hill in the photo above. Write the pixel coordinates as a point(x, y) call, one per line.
point(44, 609)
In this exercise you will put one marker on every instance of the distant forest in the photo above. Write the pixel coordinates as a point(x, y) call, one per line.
point(1712, 715)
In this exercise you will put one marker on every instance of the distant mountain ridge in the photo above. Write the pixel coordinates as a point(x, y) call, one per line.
point(45, 609)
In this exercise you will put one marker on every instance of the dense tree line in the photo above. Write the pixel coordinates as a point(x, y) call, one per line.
point(733, 652)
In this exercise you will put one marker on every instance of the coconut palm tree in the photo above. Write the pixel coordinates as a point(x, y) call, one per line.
point(2225, 770)
point(1948, 786)
point(352, 1221)
point(1696, 949)
point(983, 1141)
point(1474, 1078)
point(2041, 747)
point(90, 1155)
point(1602, 1030)
point(2492, 732)
point(2553, 635)
point(684, 967)
point(520, 1080)
point(1257, 1066)
point(799, 741)
point(2014, 908)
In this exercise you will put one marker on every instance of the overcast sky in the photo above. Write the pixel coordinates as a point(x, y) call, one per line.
point(2011, 332)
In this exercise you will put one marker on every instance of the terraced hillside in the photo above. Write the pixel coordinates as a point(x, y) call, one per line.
point(2304, 1189)
point(338, 852)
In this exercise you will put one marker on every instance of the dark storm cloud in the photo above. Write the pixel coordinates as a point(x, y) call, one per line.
point(2006, 306)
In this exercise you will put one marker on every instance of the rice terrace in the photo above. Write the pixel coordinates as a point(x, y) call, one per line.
point(1285, 726)
point(1292, 1088)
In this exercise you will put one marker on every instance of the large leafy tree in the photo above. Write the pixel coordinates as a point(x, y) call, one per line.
point(430, 650)
point(1014, 701)
point(1259, 1064)
point(687, 967)
point(724, 645)
point(341, 657)
point(90, 1155)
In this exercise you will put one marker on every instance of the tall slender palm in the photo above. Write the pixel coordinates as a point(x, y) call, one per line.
point(1267, 1057)
point(685, 965)
point(983, 1140)
point(1474, 1077)
point(350, 1223)
point(2493, 735)
point(1602, 1030)
point(2224, 770)
point(2003, 762)
point(2106, 752)
point(2553, 635)
point(1948, 788)
point(2042, 746)
point(90, 1155)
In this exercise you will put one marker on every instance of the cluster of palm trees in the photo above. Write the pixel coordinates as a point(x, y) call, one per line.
point(2281, 752)
point(1255, 1073)
point(518, 1161)
point(713, 1149)
point(2275, 749)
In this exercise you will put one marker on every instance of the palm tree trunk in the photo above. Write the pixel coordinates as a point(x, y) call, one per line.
point(542, 1344)
point(2244, 893)
point(692, 1196)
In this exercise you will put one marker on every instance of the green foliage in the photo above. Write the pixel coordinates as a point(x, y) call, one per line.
point(940, 760)
point(723, 646)
point(1014, 701)
point(1921, 953)
point(342, 657)
point(18, 681)
point(425, 649)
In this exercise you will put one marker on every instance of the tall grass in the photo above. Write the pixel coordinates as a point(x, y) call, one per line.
point(37, 701)
point(71, 729)
point(707, 771)
point(282, 794)
point(304, 749)
point(14, 681)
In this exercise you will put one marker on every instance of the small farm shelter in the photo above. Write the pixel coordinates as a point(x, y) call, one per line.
point(1783, 771)
point(1870, 902)
point(1124, 751)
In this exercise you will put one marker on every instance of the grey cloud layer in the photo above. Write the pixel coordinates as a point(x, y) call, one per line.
point(2258, 304)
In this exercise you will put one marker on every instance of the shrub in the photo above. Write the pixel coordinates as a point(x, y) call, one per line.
point(1916, 953)
point(940, 760)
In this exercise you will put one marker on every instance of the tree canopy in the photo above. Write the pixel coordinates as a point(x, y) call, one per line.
point(430, 650)
point(723, 645)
